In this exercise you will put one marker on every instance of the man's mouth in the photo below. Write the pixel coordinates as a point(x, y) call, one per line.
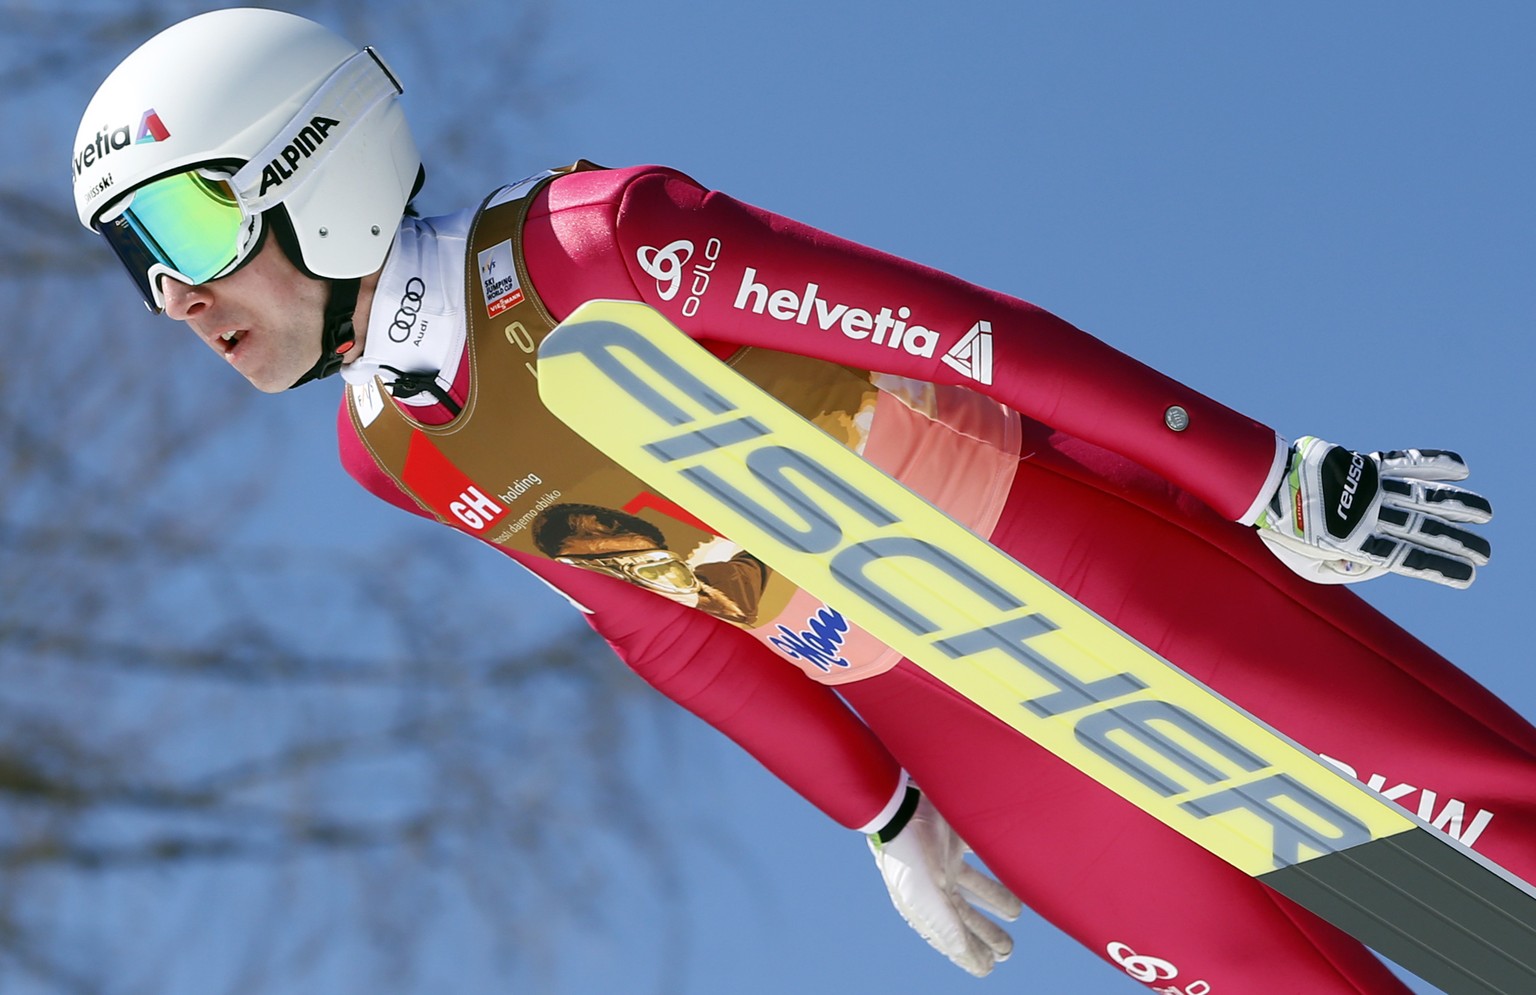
point(231, 338)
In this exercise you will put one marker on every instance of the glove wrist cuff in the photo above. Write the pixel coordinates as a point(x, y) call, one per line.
point(904, 812)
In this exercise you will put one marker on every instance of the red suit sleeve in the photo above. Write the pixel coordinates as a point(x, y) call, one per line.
point(730, 273)
point(800, 730)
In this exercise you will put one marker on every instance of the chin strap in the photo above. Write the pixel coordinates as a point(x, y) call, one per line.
point(336, 336)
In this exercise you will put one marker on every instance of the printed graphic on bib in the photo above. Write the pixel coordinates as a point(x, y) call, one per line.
point(625, 546)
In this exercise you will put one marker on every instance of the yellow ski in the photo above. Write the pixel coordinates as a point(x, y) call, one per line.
point(640, 390)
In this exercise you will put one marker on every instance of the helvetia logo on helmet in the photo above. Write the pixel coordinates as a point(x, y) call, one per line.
point(309, 138)
point(107, 140)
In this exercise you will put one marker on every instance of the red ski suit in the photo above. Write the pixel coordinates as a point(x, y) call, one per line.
point(1138, 521)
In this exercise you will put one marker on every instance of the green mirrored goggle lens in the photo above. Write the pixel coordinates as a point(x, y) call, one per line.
point(188, 222)
point(193, 222)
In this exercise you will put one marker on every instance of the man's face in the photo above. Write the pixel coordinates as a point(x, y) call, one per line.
point(264, 319)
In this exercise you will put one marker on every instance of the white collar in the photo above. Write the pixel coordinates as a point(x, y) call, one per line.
point(416, 322)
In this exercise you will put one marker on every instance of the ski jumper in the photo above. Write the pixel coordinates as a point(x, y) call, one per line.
point(1126, 489)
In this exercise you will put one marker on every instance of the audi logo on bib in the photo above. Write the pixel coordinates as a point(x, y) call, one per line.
point(408, 311)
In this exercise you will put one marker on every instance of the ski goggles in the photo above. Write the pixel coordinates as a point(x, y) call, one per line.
point(188, 226)
point(659, 570)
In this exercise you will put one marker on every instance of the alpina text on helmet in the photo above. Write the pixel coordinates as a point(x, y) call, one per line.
point(309, 138)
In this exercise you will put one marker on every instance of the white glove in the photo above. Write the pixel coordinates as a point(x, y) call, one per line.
point(938, 893)
point(1341, 516)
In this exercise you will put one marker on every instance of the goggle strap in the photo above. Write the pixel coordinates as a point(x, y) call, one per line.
point(356, 87)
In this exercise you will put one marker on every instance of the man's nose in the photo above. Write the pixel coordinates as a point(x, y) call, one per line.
point(182, 300)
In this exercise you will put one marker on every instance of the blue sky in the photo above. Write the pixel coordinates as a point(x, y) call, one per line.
point(1318, 213)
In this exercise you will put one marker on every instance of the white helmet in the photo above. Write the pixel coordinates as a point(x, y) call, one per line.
point(279, 112)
